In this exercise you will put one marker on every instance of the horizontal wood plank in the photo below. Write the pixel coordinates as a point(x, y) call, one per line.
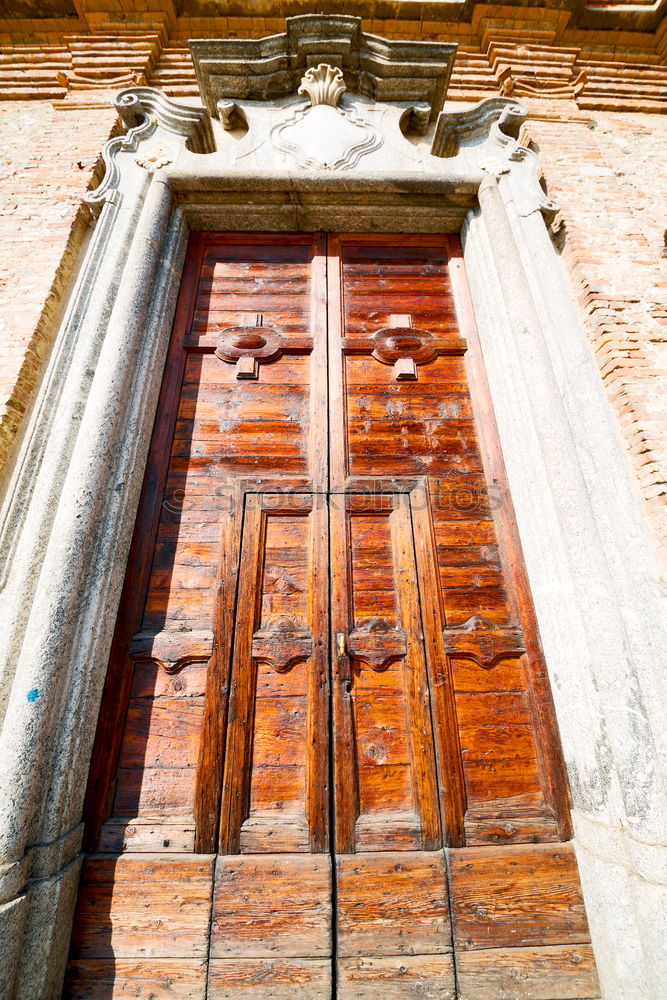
point(272, 905)
point(413, 977)
point(516, 897)
point(392, 903)
point(553, 973)
point(269, 979)
point(143, 906)
point(127, 979)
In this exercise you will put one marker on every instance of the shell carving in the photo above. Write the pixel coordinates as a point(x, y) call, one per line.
point(323, 85)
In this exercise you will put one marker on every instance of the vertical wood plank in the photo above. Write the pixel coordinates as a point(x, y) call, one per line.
point(238, 756)
point(346, 788)
point(319, 383)
point(448, 749)
point(549, 749)
point(318, 743)
point(420, 730)
point(210, 766)
point(338, 462)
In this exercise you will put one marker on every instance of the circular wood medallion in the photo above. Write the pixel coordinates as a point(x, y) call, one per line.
point(395, 342)
point(262, 342)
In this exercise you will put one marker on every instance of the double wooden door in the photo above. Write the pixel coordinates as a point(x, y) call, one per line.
point(325, 685)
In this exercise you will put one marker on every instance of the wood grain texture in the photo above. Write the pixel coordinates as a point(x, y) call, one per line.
point(275, 787)
point(269, 979)
point(386, 781)
point(143, 906)
point(392, 903)
point(127, 979)
point(556, 972)
point(422, 977)
point(516, 897)
point(272, 906)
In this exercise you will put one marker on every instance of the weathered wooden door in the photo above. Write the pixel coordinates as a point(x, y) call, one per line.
point(326, 763)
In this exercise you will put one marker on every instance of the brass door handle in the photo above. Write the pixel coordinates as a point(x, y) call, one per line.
point(341, 644)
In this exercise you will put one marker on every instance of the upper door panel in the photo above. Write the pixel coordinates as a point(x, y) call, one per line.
point(400, 405)
point(255, 377)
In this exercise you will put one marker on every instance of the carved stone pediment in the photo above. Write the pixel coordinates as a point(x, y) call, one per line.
point(272, 67)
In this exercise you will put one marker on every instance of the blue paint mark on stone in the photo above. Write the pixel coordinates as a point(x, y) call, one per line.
point(33, 694)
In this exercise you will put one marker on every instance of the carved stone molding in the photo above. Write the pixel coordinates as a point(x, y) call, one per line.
point(320, 134)
point(260, 69)
point(458, 128)
point(489, 132)
point(137, 104)
point(143, 111)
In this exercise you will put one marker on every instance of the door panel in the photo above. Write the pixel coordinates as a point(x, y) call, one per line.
point(406, 421)
point(276, 786)
point(326, 763)
point(384, 765)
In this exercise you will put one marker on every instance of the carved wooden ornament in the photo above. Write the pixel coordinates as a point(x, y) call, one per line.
point(404, 346)
point(171, 651)
point(484, 641)
point(282, 645)
point(377, 645)
point(249, 344)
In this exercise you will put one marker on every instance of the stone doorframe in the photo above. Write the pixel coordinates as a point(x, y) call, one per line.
point(70, 505)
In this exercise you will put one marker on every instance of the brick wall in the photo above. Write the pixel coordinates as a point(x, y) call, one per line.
point(47, 162)
point(609, 178)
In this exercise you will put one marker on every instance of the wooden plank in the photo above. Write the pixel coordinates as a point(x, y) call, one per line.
point(550, 755)
point(318, 723)
point(338, 457)
point(143, 906)
point(210, 764)
point(446, 738)
point(345, 772)
point(392, 903)
point(318, 443)
point(516, 897)
point(420, 730)
point(413, 977)
point(269, 979)
point(558, 972)
point(509, 822)
point(126, 979)
point(162, 732)
point(118, 681)
point(154, 792)
point(175, 834)
point(238, 755)
point(272, 906)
